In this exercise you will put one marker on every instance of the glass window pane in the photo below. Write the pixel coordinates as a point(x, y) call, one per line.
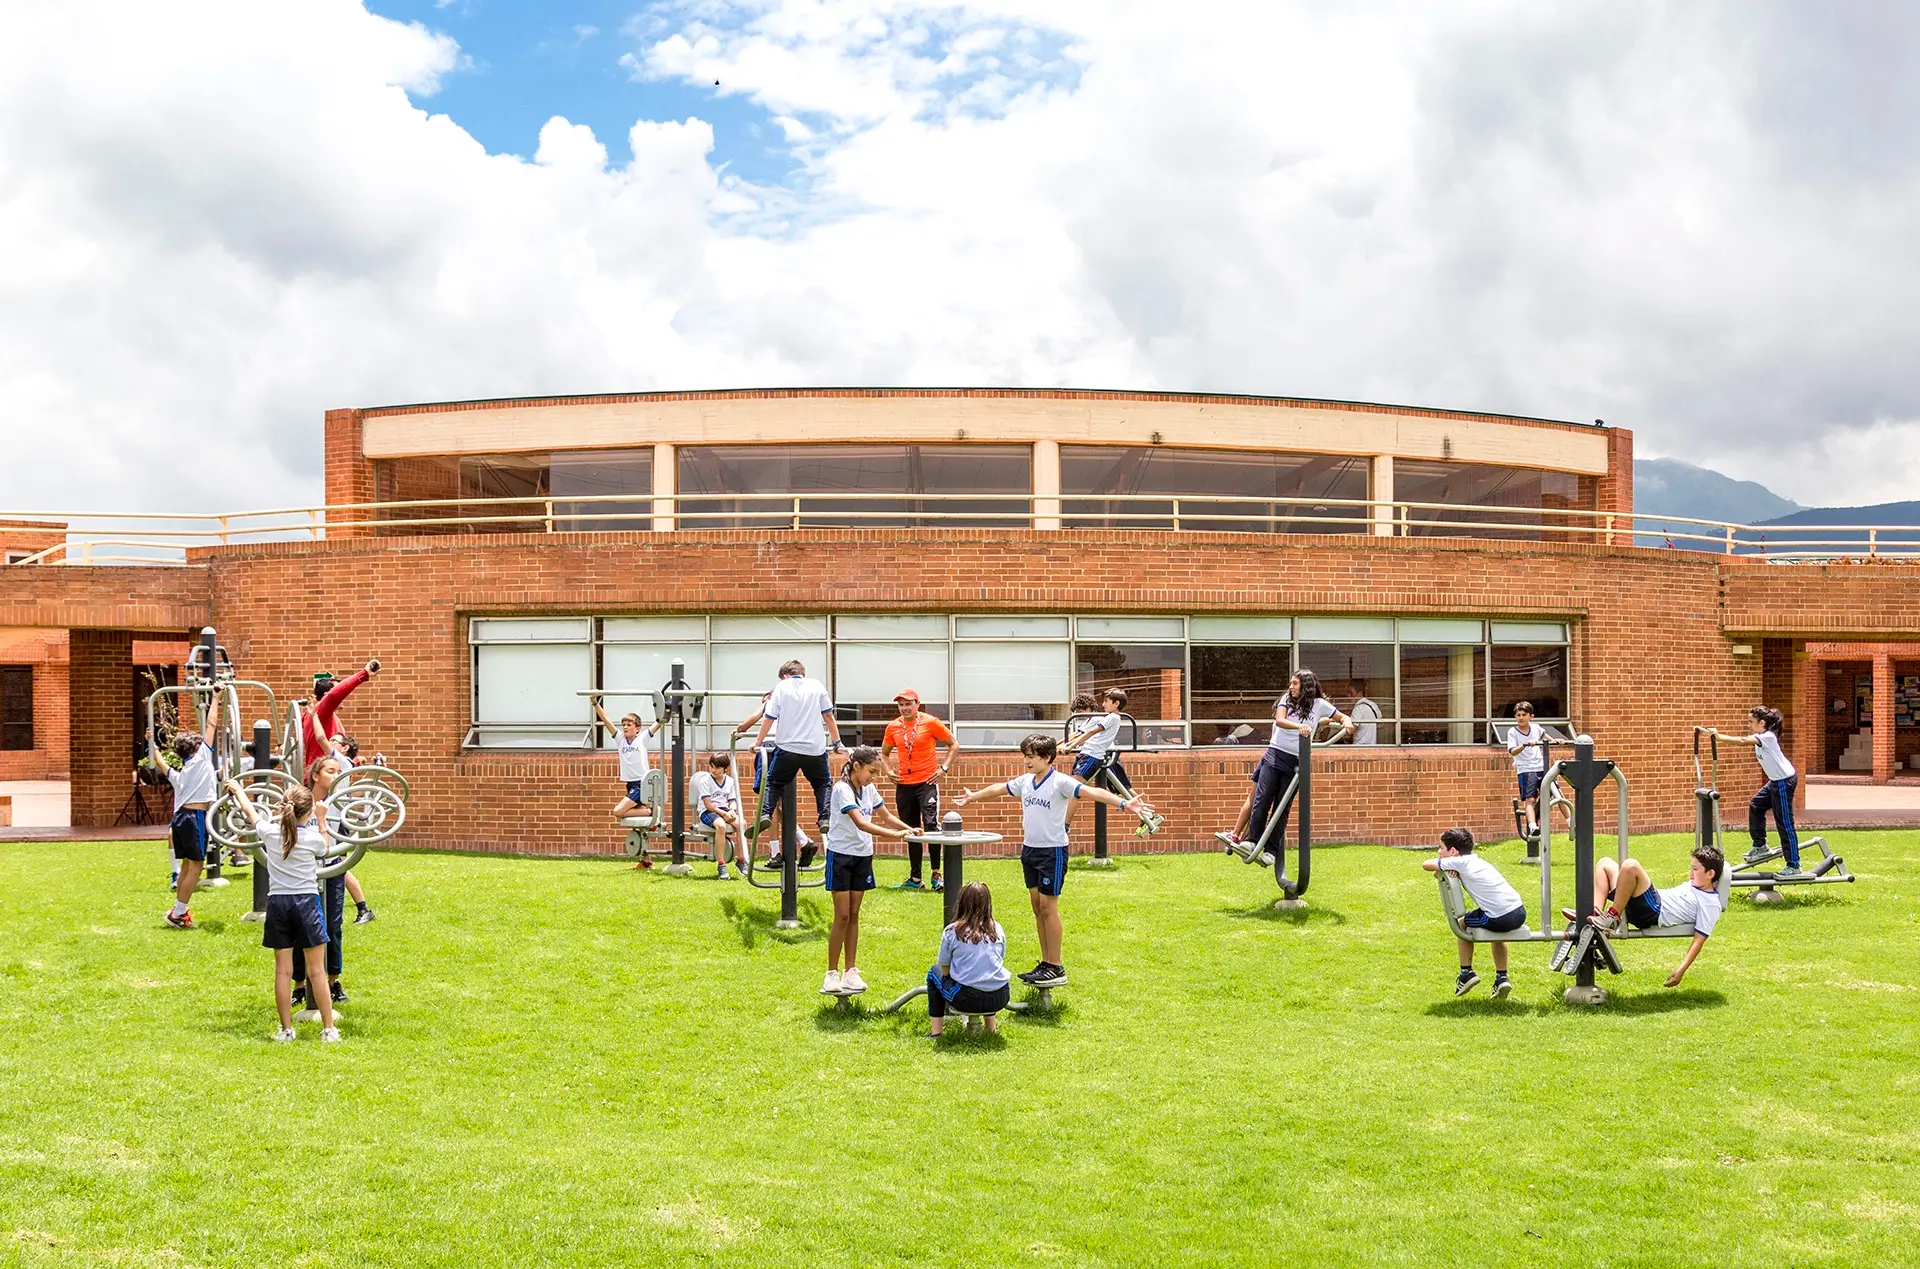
point(1013, 681)
point(1152, 675)
point(1443, 682)
point(533, 683)
point(650, 629)
point(1350, 672)
point(1009, 737)
point(1130, 628)
point(1529, 632)
point(1235, 685)
point(1227, 490)
point(868, 674)
point(1247, 733)
point(1240, 629)
point(818, 472)
point(755, 668)
point(600, 473)
point(1443, 733)
point(1536, 674)
point(771, 628)
point(635, 670)
point(1427, 630)
point(907, 627)
point(1481, 485)
point(1010, 627)
point(530, 629)
point(1346, 629)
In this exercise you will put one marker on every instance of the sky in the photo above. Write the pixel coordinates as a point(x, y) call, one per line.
point(218, 220)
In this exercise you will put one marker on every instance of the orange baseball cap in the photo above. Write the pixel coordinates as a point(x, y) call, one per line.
point(908, 695)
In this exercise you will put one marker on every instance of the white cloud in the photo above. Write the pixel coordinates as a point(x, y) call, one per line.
point(217, 221)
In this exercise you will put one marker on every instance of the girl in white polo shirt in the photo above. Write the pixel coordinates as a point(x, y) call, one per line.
point(1777, 793)
point(291, 848)
point(859, 811)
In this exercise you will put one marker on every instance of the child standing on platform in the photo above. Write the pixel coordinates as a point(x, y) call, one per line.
point(970, 974)
point(1782, 780)
point(799, 714)
point(1045, 798)
point(859, 811)
point(1498, 907)
point(1528, 743)
point(1098, 762)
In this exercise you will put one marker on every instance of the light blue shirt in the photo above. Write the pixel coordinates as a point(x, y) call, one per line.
point(981, 965)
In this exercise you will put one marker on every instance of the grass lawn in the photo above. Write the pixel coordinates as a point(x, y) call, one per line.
point(570, 1062)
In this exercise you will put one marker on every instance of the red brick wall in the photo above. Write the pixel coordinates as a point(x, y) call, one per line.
point(1644, 670)
point(349, 474)
point(100, 735)
point(30, 535)
point(46, 652)
point(1847, 602)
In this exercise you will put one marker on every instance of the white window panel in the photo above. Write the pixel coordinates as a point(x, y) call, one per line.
point(1010, 628)
point(769, 628)
point(530, 630)
point(755, 667)
point(1441, 631)
point(1011, 674)
point(912, 626)
point(1240, 629)
point(873, 672)
point(533, 683)
point(1529, 632)
point(645, 668)
point(1004, 736)
point(653, 629)
point(1345, 629)
point(1107, 629)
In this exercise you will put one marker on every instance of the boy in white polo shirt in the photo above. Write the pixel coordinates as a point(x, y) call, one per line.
point(1045, 798)
point(799, 713)
point(859, 811)
point(1097, 756)
point(1625, 891)
point(1528, 742)
point(1499, 907)
point(630, 740)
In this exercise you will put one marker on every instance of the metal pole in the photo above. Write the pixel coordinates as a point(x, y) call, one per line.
point(789, 852)
point(677, 776)
point(1099, 834)
point(263, 759)
point(955, 861)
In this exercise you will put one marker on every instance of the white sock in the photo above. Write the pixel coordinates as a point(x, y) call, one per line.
point(178, 908)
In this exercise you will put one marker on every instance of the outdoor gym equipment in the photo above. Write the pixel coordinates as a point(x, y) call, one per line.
point(1272, 846)
point(1748, 872)
point(1551, 797)
point(953, 839)
point(1582, 947)
point(1105, 773)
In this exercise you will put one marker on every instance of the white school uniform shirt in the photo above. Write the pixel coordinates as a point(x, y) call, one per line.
point(1097, 745)
point(1289, 741)
point(633, 755)
point(978, 965)
point(1044, 803)
point(1684, 905)
point(796, 707)
point(1483, 881)
point(1528, 753)
point(299, 872)
point(725, 792)
point(844, 837)
point(1773, 759)
point(1366, 718)
point(194, 781)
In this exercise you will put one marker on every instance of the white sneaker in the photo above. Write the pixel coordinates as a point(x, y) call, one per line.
point(830, 986)
point(851, 982)
point(283, 1034)
point(330, 1035)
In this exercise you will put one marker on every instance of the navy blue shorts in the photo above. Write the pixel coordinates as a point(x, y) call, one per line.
point(294, 921)
point(1045, 868)
point(1530, 784)
point(849, 872)
point(190, 834)
point(637, 792)
point(1505, 923)
point(1643, 910)
point(708, 817)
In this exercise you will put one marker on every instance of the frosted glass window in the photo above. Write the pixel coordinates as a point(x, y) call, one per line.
point(907, 627)
point(769, 628)
point(755, 667)
point(530, 630)
point(1441, 631)
point(1010, 628)
point(873, 672)
point(1240, 629)
point(1148, 629)
point(654, 629)
point(1346, 629)
point(1011, 674)
point(1529, 632)
point(645, 668)
point(533, 683)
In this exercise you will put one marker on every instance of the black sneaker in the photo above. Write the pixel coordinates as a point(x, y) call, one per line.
point(299, 994)
point(806, 855)
point(339, 994)
point(1501, 986)
point(365, 915)
point(1467, 981)
point(1029, 976)
point(775, 863)
point(1049, 976)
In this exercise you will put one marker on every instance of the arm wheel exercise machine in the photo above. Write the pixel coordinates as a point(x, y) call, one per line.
point(1749, 871)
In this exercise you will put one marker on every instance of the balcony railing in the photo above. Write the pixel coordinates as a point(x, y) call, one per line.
point(158, 539)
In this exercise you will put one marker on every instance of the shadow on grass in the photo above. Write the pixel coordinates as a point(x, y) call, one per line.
point(1666, 1001)
point(1485, 1007)
point(1805, 897)
point(756, 924)
point(845, 1013)
point(1036, 1016)
point(1309, 915)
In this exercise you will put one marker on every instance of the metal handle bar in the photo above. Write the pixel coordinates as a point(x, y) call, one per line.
point(1134, 747)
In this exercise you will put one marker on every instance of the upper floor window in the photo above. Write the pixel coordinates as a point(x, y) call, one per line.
point(853, 486)
point(1482, 485)
point(1226, 490)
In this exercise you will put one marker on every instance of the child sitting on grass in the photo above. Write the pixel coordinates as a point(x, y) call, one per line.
point(970, 975)
point(859, 811)
point(1499, 909)
point(1624, 890)
point(291, 849)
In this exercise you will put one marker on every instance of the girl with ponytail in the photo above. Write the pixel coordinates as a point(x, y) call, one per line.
point(291, 848)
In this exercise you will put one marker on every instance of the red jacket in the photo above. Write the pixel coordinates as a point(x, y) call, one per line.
point(318, 721)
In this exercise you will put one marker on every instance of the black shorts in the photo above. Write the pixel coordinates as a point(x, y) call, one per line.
point(294, 921)
point(1045, 868)
point(849, 872)
point(1505, 923)
point(919, 804)
point(1530, 784)
point(1643, 910)
point(190, 834)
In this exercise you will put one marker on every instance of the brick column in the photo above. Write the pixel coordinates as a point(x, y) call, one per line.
point(1883, 729)
point(1615, 491)
point(1806, 724)
point(349, 474)
point(100, 731)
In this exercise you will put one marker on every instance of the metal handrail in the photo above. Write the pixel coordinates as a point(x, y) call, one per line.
point(158, 538)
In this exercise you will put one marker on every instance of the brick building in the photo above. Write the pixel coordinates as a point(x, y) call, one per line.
point(997, 550)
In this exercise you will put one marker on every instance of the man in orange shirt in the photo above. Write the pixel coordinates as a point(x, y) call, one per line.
point(916, 775)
